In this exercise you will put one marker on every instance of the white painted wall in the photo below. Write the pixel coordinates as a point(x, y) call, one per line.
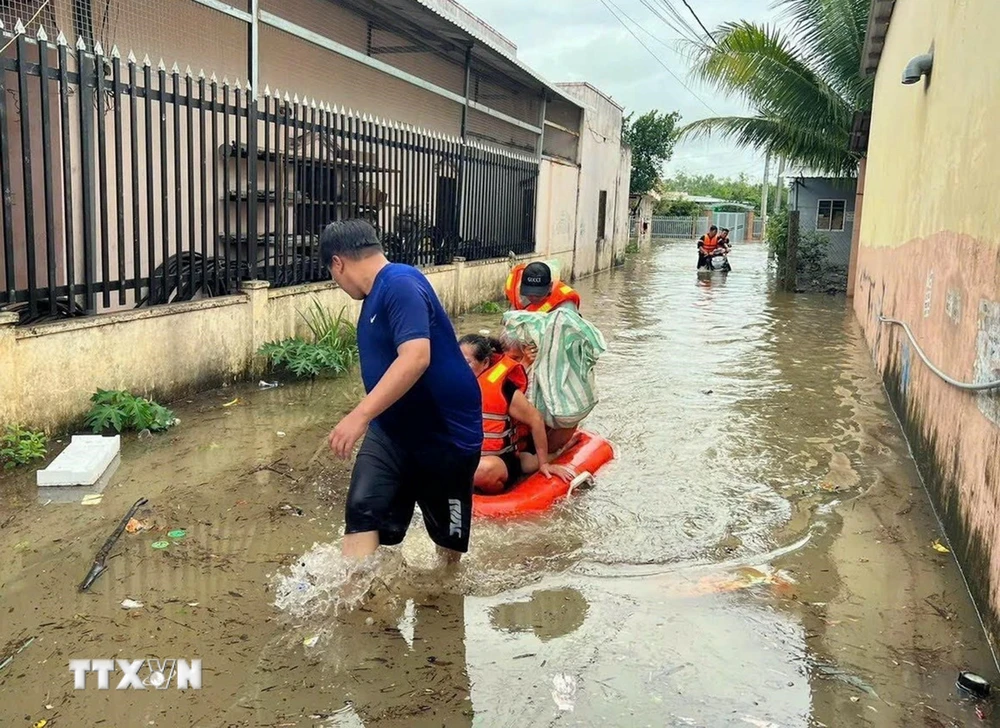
point(604, 166)
point(556, 212)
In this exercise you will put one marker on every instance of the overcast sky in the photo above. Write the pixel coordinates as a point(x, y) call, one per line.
point(580, 40)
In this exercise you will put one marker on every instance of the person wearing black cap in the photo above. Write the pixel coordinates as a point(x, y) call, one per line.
point(531, 288)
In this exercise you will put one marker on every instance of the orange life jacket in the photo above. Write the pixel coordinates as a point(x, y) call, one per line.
point(709, 243)
point(498, 427)
point(561, 293)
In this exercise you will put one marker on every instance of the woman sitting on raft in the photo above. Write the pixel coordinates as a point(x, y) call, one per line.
point(503, 383)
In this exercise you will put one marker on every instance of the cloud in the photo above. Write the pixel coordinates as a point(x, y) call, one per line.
point(580, 40)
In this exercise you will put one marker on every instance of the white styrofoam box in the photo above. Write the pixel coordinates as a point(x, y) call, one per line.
point(83, 462)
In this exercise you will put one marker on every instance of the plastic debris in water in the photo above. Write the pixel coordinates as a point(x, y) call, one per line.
point(134, 525)
point(759, 723)
point(160, 544)
point(940, 547)
point(235, 400)
point(744, 578)
point(131, 604)
point(311, 641)
point(266, 385)
point(280, 433)
point(973, 684)
point(177, 533)
point(564, 691)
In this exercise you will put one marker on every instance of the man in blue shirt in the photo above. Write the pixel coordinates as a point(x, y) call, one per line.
point(422, 416)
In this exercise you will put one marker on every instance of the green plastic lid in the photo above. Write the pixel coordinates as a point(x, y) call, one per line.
point(177, 533)
point(160, 544)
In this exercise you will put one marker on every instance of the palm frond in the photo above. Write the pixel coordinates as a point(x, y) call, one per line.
point(816, 148)
point(832, 35)
point(762, 65)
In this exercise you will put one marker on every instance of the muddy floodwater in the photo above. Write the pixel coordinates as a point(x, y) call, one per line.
point(759, 554)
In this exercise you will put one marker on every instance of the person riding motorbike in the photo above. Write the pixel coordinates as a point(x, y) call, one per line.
point(707, 245)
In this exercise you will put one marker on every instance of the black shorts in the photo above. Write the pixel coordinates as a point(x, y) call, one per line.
point(388, 481)
point(513, 462)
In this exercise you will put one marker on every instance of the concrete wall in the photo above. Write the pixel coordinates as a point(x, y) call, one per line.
point(929, 255)
point(805, 198)
point(556, 212)
point(50, 371)
point(604, 167)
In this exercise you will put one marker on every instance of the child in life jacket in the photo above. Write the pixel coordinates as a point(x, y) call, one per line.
point(503, 382)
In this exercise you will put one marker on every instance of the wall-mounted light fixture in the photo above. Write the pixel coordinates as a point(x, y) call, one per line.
point(917, 68)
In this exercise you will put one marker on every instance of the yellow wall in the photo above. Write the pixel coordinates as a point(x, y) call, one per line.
point(928, 255)
point(933, 152)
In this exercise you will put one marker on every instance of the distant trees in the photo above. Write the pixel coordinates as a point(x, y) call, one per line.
point(736, 189)
point(652, 137)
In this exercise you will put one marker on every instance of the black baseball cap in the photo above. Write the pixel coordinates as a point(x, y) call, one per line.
point(536, 280)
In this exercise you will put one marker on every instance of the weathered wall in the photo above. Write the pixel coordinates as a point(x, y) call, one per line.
point(601, 170)
point(556, 212)
point(929, 255)
point(50, 371)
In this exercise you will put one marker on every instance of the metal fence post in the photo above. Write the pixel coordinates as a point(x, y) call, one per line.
point(792, 251)
point(88, 75)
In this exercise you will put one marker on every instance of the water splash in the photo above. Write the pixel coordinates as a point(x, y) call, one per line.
point(323, 580)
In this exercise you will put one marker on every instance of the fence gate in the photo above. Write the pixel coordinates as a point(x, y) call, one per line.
point(735, 222)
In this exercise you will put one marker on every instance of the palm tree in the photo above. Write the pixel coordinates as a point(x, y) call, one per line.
point(805, 86)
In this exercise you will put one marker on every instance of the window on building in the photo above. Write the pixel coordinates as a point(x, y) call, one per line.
point(830, 215)
point(602, 215)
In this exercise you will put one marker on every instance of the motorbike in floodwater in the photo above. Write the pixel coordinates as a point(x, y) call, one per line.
point(718, 262)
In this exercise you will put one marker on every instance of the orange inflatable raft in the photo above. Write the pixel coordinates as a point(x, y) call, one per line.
point(536, 493)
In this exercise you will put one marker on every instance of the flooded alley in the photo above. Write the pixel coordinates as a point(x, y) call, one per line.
point(760, 553)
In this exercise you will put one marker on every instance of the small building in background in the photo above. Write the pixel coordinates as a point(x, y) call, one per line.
point(826, 207)
point(643, 206)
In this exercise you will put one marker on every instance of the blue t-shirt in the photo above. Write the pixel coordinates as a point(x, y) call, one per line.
point(444, 407)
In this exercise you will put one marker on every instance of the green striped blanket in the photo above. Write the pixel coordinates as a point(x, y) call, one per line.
point(561, 379)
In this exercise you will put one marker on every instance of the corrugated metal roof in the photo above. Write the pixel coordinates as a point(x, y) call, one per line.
point(451, 10)
point(878, 28)
point(462, 27)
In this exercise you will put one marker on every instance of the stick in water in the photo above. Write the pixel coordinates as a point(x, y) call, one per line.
point(99, 566)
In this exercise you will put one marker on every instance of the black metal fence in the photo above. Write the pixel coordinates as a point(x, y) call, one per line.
point(127, 184)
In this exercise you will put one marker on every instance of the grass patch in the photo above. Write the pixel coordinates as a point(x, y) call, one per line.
point(20, 446)
point(119, 410)
point(333, 348)
point(488, 307)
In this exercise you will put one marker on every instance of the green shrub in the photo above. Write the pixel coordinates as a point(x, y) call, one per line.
point(118, 410)
point(333, 349)
point(776, 235)
point(488, 307)
point(19, 446)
